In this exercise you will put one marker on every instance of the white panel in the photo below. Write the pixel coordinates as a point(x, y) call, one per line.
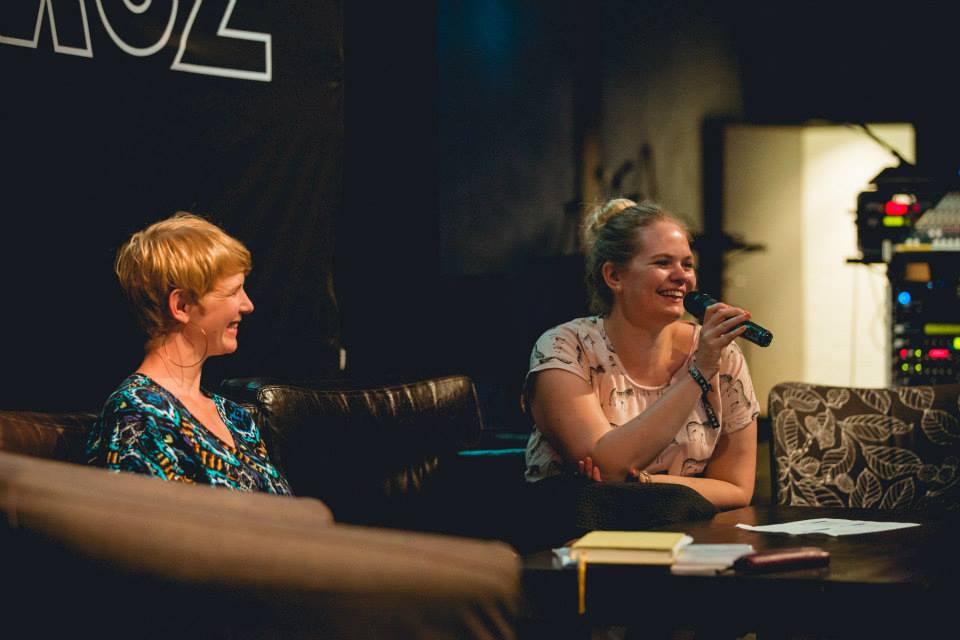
point(794, 190)
point(762, 205)
point(846, 320)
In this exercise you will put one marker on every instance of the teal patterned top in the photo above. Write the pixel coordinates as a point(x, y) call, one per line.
point(144, 428)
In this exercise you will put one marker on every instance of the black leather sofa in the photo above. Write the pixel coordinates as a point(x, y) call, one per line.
point(409, 455)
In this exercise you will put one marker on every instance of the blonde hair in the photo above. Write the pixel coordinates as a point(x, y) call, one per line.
point(182, 252)
point(610, 233)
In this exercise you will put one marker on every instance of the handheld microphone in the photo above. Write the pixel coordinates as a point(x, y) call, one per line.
point(696, 302)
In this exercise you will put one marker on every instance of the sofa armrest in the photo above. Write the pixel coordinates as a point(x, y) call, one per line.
point(366, 450)
point(129, 550)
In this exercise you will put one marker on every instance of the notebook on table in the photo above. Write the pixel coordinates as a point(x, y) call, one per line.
point(629, 547)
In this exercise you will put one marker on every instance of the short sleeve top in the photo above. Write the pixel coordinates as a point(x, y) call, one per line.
point(582, 347)
point(144, 428)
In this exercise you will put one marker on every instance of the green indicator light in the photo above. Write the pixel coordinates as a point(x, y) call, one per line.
point(940, 329)
point(905, 367)
point(918, 353)
point(956, 343)
point(917, 368)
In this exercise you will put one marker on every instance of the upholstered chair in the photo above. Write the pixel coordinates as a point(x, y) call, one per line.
point(896, 448)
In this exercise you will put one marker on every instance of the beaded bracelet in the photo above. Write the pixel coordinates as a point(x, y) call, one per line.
point(705, 388)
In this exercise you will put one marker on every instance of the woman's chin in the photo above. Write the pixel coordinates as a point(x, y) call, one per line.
point(226, 348)
point(668, 315)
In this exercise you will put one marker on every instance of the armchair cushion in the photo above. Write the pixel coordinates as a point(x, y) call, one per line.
point(896, 448)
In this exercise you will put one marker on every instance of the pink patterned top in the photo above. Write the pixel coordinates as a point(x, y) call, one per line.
point(581, 347)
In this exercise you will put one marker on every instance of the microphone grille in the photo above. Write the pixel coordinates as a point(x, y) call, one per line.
point(696, 302)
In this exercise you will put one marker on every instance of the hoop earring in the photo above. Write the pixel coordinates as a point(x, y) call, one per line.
point(188, 366)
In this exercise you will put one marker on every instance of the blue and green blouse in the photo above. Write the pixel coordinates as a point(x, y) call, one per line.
point(144, 428)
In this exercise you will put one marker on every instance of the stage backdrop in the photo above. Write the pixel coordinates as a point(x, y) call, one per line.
point(116, 113)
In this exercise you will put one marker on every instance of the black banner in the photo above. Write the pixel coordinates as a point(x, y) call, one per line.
point(116, 113)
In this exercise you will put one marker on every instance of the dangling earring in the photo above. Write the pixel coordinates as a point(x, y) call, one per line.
point(187, 366)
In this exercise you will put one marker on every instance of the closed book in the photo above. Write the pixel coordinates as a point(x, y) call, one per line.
point(629, 547)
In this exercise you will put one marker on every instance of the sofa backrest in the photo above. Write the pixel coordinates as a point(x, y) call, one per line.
point(370, 452)
point(59, 436)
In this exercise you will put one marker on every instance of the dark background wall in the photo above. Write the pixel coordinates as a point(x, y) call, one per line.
point(414, 200)
point(97, 147)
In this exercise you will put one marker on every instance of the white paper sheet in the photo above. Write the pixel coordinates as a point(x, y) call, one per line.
point(829, 526)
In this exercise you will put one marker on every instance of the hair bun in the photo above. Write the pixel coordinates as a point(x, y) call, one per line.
point(598, 216)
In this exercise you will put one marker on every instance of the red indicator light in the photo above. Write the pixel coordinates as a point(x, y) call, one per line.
point(938, 354)
point(895, 208)
point(904, 353)
point(915, 208)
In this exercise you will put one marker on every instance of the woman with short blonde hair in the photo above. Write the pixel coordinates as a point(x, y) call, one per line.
point(184, 278)
point(184, 251)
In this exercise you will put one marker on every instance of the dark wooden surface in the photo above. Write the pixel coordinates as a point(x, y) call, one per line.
point(877, 585)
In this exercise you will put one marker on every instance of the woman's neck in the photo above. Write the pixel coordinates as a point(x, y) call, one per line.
point(174, 366)
point(648, 352)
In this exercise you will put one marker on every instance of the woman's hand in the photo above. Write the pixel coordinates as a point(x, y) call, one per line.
point(721, 326)
point(585, 467)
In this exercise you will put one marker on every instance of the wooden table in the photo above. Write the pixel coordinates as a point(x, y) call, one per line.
point(893, 583)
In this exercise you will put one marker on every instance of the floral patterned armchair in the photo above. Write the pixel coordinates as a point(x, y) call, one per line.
point(896, 448)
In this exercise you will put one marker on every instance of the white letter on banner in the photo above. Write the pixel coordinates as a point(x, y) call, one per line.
point(139, 8)
point(86, 51)
point(225, 32)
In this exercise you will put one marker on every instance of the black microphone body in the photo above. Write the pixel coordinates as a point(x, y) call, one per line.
point(696, 302)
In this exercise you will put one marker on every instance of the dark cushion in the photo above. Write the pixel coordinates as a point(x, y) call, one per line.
point(634, 506)
point(896, 448)
point(367, 451)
